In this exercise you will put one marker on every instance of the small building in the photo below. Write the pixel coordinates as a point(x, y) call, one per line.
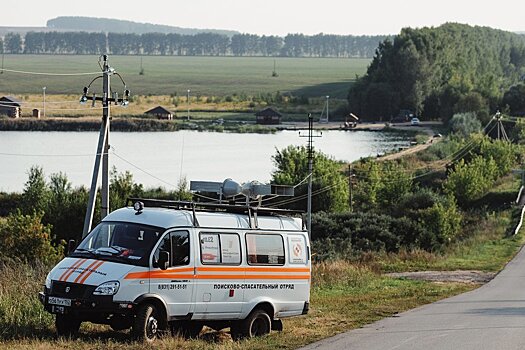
point(10, 106)
point(36, 113)
point(161, 113)
point(268, 116)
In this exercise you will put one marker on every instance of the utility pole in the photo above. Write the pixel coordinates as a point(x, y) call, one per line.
point(502, 134)
point(310, 149)
point(188, 103)
point(350, 187)
point(44, 91)
point(102, 155)
point(327, 114)
point(106, 91)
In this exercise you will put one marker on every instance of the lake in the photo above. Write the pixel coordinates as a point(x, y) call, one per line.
point(161, 158)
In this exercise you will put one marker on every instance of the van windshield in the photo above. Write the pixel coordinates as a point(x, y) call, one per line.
point(121, 242)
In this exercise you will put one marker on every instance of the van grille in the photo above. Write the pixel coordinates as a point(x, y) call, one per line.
point(75, 291)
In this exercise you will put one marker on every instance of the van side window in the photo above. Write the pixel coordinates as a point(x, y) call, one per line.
point(265, 249)
point(178, 245)
point(220, 248)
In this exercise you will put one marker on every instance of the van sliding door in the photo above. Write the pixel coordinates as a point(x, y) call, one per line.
point(219, 276)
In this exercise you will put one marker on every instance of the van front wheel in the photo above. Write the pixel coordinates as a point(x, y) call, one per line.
point(147, 324)
point(257, 324)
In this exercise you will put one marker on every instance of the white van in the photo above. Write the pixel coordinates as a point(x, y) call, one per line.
point(180, 266)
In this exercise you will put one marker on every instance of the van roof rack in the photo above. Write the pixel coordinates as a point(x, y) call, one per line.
point(229, 208)
point(252, 212)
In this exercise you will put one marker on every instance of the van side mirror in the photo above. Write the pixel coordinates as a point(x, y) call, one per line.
point(71, 245)
point(164, 259)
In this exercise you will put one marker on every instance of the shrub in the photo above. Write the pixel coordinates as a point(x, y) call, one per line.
point(25, 238)
point(465, 124)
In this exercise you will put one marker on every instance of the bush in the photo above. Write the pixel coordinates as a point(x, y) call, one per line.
point(464, 124)
point(469, 182)
point(24, 238)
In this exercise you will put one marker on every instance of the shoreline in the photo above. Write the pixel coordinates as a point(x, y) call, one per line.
point(134, 124)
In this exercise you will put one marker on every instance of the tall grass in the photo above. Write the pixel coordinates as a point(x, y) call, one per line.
point(21, 313)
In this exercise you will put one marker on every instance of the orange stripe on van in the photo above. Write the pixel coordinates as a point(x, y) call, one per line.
point(253, 277)
point(252, 269)
point(71, 269)
point(91, 271)
point(85, 271)
point(159, 274)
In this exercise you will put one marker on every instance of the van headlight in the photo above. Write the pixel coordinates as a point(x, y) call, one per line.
point(108, 288)
point(48, 281)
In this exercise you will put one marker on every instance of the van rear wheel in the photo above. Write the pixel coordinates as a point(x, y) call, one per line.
point(257, 324)
point(67, 325)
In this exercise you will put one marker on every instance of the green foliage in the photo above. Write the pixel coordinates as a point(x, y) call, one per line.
point(464, 124)
point(473, 102)
point(440, 71)
point(421, 220)
point(121, 188)
point(380, 184)
point(514, 98)
point(469, 182)
point(329, 183)
point(25, 238)
point(35, 197)
point(66, 208)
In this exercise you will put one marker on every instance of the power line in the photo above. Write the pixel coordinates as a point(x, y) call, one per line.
point(44, 155)
point(47, 73)
point(144, 171)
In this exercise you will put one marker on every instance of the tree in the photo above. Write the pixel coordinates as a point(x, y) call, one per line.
point(25, 238)
point(13, 43)
point(443, 70)
point(464, 124)
point(329, 184)
point(121, 188)
point(515, 99)
point(35, 197)
point(380, 184)
point(470, 181)
point(473, 102)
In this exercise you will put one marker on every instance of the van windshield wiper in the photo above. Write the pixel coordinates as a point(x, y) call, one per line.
point(90, 251)
point(116, 251)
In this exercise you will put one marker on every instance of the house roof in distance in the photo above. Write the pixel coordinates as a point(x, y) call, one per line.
point(268, 112)
point(10, 100)
point(159, 110)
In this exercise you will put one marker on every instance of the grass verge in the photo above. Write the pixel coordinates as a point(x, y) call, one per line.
point(343, 297)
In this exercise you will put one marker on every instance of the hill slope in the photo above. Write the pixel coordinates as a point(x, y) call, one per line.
point(92, 24)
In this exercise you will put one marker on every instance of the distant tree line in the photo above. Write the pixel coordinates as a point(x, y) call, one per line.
point(110, 25)
point(202, 44)
point(437, 72)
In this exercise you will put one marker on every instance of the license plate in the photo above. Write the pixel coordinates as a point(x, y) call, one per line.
point(59, 301)
point(58, 309)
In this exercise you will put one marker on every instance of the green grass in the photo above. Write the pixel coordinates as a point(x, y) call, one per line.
point(344, 296)
point(484, 247)
point(366, 297)
point(206, 76)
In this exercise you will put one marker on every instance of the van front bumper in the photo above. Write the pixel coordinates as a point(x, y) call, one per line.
point(89, 307)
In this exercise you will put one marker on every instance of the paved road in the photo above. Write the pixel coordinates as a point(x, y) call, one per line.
point(490, 317)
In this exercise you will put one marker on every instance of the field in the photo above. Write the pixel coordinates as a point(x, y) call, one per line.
point(170, 75)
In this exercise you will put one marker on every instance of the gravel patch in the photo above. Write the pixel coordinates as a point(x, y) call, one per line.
point(476, 277)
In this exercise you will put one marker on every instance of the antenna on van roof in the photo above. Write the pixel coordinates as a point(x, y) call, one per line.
point(253, 189)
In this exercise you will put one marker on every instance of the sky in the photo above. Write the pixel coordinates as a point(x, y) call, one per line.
point(279, 17)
